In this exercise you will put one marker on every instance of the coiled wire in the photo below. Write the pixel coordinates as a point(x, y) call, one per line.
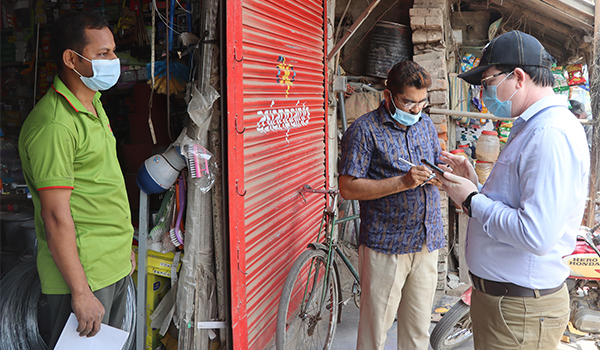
point(130, 316)
point(20, 291)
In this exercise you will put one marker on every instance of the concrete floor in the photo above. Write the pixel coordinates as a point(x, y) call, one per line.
point(345, 335)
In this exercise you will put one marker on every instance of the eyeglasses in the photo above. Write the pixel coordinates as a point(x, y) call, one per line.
point(411, 105)
point(484, 84)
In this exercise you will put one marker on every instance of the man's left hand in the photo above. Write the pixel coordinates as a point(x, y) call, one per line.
point(435, 182)
point(458, 188)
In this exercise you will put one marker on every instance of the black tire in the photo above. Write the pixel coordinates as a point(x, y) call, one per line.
point(308, 326)
point(454, 329)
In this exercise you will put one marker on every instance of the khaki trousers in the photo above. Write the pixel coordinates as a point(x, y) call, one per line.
point(402, 284)
point(507, 323)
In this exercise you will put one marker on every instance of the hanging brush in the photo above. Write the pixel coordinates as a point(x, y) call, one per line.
point(195, 160)
point(170, 241)
point(175, 233)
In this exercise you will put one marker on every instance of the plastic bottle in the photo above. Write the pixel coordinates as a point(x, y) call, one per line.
point(460, 152)
point(467, 150)
point(483, 170)
point(488, 146)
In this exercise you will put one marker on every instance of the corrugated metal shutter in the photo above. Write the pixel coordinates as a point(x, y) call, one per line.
point(276, 141)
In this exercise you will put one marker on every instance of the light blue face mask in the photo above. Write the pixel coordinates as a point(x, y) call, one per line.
point(403, 117)
point(106, 74)
point(501, 109)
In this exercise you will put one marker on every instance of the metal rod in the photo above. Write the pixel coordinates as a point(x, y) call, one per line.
point(342, 111)
point(141, 276)
point(466, 114)
point(346, 219)
point(342, 107)
point(348, 264)
point(35, 63)
point(477, 115)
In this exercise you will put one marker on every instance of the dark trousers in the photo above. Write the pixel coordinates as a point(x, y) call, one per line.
point(113, 298)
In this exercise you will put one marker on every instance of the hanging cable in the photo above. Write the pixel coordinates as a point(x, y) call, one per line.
point(183, 8)
point(165, 20)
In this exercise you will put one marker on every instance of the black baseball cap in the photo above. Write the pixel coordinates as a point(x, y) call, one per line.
point(512, 48)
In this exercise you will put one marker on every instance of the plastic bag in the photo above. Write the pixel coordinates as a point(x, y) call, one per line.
point(575, 72)
point(201, 165)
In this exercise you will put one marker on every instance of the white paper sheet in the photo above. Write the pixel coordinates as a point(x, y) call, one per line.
point(108, 338)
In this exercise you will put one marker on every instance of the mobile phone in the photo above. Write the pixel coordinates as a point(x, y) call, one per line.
point(432, 166)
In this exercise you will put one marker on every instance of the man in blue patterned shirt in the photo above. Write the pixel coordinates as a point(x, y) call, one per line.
point(401, 222)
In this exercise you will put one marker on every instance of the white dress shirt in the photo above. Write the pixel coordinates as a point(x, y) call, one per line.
point(529, 210)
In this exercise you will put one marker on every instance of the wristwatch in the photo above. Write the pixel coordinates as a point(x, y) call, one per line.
point(467, 203)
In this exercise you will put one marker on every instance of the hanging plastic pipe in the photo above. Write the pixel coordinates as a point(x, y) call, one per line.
point(171, 24)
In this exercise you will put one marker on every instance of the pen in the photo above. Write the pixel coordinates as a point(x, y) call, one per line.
point(406, 162)
point(411, 164)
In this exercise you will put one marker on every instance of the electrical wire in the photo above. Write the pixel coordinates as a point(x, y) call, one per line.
point(166, 20)
point(183, 8)
point(20, 292)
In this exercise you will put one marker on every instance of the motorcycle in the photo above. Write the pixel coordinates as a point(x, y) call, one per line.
point(454, 328)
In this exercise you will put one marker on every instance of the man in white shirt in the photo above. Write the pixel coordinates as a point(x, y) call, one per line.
point(525, 218)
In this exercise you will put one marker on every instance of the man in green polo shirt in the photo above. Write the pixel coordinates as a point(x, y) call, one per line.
point(68, 152)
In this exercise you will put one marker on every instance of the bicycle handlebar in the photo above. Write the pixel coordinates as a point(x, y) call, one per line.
point(307, 188)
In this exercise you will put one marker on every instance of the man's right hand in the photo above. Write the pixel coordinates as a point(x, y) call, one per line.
point(416, 176)
point(89, 312)
point(62, 242)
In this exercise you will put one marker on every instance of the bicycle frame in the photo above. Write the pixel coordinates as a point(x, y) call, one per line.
point(328, 222)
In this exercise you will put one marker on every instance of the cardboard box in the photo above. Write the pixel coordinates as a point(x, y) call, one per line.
point(152, 336)
point(158, 263)
point(156, 288)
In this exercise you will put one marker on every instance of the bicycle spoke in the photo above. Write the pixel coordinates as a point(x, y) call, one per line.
point(311, 308)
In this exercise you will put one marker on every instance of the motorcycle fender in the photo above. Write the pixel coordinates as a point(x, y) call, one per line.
point(466, 296)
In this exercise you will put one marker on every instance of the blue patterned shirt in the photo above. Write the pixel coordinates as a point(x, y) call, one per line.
point(399, 223)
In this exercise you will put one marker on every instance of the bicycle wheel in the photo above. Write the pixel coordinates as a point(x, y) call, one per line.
point(308, 312)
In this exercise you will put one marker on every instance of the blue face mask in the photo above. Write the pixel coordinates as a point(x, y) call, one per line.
point(501, 109)
point(403, 117)
point(106, 74)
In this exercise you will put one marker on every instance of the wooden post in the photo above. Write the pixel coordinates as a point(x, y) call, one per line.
point(463, 269)
point(595, 100)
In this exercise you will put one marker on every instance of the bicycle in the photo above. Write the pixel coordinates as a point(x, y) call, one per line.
point(311, 300)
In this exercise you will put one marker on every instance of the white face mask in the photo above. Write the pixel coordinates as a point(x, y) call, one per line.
point(106, 74)
point(403, 117)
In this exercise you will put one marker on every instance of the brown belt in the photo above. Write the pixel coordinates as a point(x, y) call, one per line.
point(509, 289)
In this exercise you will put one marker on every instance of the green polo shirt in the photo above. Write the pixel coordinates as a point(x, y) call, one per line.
point(62, 145)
